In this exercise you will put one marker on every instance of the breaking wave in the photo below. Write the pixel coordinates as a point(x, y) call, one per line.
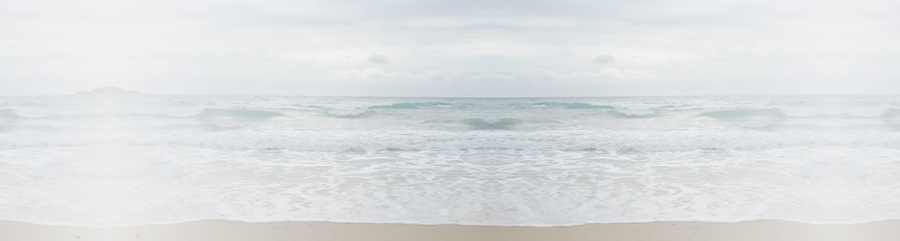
point(745, 114)
point(573, 105)
point(414, 105)
point(246, 114)
point(354, 113)
point(8, 114)
point(891, 113)
point(780, 113)
point(492, 123)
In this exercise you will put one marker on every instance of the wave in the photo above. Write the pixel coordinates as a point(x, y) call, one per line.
point(187, 103)
point(206, 113)
point(357, 113)
point(572, 105)
point(632, 114)
point(8, 114)
point(779, 113)
point(492, 123)
point(360, 110)
point(411, 105)
point(613, 111)
point(32, 104)
point(482, 134)
point(774, 113)
point(12, 115)
point(245, 114)
point(364, 110)
point(891, 113)
point(827, 102)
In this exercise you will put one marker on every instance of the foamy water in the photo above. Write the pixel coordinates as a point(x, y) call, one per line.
point(123, 160)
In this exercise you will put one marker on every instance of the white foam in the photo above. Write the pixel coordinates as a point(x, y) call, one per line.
point(265, 160)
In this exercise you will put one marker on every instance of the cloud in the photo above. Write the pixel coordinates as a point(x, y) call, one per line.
point(379, 59)
point(604, 59)
point(454, 48)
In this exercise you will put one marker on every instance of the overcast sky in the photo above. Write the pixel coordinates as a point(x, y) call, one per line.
point(486, 48)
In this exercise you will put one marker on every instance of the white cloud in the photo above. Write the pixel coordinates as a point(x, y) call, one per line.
point(379, 59)
point(463, 48)
point(604, 59)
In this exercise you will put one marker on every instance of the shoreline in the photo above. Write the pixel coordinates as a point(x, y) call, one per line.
point(233, 231)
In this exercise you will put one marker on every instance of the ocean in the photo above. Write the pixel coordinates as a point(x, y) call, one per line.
point(114, 160)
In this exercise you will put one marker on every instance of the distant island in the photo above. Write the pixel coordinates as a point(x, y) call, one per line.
point(109, 90)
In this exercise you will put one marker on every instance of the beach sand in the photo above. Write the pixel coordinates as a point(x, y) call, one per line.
point(232, 231)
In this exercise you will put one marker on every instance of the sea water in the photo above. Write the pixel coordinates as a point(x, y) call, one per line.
point(113, 160)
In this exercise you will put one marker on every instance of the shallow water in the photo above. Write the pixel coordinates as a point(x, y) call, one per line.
point(121, 160)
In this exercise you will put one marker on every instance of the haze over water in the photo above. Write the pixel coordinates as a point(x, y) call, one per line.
point(110, 160)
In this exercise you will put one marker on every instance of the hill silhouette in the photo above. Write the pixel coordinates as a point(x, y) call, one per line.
point(109, 90)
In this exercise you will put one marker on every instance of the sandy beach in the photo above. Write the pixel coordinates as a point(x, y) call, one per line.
point(233, 231)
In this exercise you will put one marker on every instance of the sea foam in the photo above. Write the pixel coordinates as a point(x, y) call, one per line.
point(140, 159)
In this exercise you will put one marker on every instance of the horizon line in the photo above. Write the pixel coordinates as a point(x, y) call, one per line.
point(466, 97)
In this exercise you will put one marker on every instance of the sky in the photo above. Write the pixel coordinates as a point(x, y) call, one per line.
point(453, 48)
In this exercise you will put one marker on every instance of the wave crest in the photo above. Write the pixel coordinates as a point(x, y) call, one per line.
point(246, 114)
point(410, 105)
point(572, 105)
point(779, 113)
point(492, 123)
point(736, 114)
point(8, 114)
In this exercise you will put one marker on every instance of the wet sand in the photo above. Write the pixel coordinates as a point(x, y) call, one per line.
point(233, 231)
